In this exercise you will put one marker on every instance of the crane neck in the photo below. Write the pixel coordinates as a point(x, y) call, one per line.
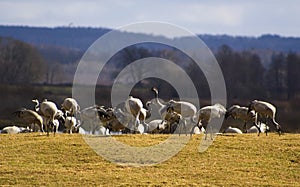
point(37, 105)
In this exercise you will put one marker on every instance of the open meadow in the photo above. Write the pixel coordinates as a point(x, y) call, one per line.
point(232, 160)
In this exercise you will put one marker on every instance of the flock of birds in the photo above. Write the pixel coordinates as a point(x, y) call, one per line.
point(130, 117)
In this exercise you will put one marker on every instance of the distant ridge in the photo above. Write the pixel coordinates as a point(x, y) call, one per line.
point(266, 41)
point(69, 37)
point(80, 38)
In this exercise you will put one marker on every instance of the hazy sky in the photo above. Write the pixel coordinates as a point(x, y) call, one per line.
point(246, 18)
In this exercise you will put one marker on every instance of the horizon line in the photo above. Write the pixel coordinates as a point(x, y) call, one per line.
point(106, 28)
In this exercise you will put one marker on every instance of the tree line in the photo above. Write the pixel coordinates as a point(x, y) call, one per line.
point(244, 74)
point(23, 63)
point(19, 62)
point(246, 77)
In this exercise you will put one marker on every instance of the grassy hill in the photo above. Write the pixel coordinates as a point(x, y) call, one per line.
point(232, 160)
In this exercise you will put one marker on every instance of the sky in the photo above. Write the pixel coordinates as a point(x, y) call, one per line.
point(232, 17)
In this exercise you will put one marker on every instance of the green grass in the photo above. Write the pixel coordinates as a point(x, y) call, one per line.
point(232, 160)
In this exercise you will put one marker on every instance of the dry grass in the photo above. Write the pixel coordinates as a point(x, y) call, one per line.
point(232, 160)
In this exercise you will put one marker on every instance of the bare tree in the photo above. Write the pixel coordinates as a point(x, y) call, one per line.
point(19, 62)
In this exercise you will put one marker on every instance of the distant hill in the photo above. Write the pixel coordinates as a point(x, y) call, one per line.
point(80, 38)
point(264, 42)
point(74, 38)
point(66, 45)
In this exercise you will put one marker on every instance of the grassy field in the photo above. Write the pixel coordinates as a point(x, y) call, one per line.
point(232, 160)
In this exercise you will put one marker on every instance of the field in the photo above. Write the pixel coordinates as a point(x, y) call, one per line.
point(232, 160)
